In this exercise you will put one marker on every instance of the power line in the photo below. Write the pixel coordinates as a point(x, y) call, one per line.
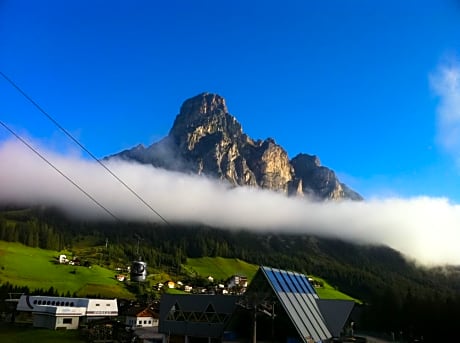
point(59, 171)
point(68, 134)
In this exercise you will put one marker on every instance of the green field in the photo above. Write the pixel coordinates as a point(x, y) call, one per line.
point(223, 268)
point(220, 268)
point(329, 292)
point(37, 269)
point(26, 334)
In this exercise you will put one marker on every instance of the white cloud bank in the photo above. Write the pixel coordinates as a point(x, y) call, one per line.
point(427, 229)
point(445, 82)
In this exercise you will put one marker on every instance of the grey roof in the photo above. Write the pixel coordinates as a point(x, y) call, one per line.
point(336, 313)
point(299, 300)
point(195, 315)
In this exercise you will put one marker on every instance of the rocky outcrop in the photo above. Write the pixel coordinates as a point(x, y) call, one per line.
point(320, 181)
point(206, 139)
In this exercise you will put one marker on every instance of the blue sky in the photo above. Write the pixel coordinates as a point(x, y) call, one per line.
point(370, 87)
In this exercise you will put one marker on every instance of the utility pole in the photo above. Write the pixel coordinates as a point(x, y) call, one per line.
point(254, 333)
point(107, 250)
point(255, 303)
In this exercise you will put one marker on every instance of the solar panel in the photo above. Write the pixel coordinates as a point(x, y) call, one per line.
point(273, 280)
point(305, 284)
point(298, 299)
point(310, 299)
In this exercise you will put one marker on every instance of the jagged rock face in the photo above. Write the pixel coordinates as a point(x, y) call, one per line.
point(202, 117)
point(270, 164)
point(206, 139)
point(320, 181)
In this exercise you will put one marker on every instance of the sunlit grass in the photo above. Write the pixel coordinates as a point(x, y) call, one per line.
point(220, 268)
point(37, 269)
point(329, 292)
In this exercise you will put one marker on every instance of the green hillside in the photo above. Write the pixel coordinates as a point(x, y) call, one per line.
point(399, 295)
point(326, 291)
point(37, 269)
point(223, 268)
point(219, 268)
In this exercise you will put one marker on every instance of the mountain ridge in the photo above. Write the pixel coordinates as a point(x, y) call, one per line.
point(206, 139)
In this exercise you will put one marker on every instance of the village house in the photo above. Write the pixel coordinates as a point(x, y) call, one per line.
point(63, 259)
point(141, 317)
point(238, 280)
point(120, 277)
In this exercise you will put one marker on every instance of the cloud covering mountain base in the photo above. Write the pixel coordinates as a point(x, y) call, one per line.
point(422, 228)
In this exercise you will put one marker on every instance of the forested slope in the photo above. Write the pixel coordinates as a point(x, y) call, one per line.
point(398, 294)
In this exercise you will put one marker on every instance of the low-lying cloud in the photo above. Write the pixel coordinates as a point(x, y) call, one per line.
point(423, 228)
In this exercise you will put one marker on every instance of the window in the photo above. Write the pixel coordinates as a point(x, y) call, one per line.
point(67, 320)
point(53, 302)
point(39, 302)
point(66, 303)
point(140, 322)
point(71, 304)
point(35, 302)
point(98, 304)
point(150, 322)
point(145, 322)
point(107, 304)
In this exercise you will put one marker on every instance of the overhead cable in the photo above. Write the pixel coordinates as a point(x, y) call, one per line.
point(23, 141)
point(69, 135)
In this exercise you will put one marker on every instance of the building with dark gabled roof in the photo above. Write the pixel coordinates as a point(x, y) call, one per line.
point(278, 306)
point(336, 313)
point(299, 301)
point(283, 305)
point(195, 316)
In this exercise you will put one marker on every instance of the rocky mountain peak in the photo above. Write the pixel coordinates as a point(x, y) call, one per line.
point(201, 116)
point(305, 163)
point(204, 104)
point(206, 139)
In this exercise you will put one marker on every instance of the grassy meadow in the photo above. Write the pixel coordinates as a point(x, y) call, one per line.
point(37, 268)
point(26, 334)
point(329, 292)
point(220, 268)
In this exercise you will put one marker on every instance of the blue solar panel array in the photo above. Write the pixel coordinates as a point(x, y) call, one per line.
point(299, 300)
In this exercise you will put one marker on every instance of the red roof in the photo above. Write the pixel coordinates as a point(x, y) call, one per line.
point(142, 312)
